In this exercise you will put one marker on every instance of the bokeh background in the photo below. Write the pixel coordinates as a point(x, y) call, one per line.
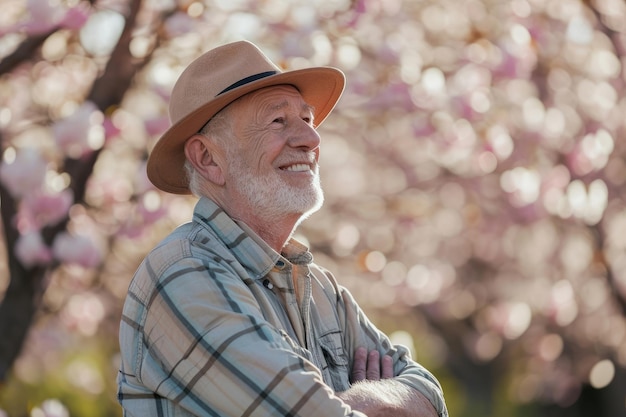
point(474, 173)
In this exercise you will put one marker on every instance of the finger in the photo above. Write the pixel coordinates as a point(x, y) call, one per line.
point(360, 364)
point(387, 367)
point(373, 366)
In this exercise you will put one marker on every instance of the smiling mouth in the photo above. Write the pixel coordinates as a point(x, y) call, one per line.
point(297, 168)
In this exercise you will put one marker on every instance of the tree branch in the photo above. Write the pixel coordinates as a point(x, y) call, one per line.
point(24, 51)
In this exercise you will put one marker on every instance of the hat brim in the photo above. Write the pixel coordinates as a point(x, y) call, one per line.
point(320, 87)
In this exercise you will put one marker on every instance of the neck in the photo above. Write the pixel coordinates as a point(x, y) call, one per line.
point(274, 232)
point(274, 229)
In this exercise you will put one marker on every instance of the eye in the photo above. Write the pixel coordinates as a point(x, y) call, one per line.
point(308, 119)
point(280, 120)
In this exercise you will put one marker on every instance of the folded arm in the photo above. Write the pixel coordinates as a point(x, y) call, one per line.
point(375, 392)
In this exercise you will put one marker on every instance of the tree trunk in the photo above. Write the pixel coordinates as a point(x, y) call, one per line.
point(17, 312)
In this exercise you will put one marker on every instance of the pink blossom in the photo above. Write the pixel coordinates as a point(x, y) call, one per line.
point(422, 127)
point(358, 10)
point(557, 177)
point(179, 24)
point(143, 216)
point(45, 209)
point(515, 64)
point(3, 32)
point(150, 215)
point(72, 133)
point(130, 231)
point(461, 104)
point(142, 183)
point(40, 10)
point(111, 190)
point(156, 125)
point(76, 249)
point(25, 174)
point(43, 16)
point(76, 17)
point(31, 250)
point(394, 95)
point(110, 130)
point(579, 162)
point(161, 92)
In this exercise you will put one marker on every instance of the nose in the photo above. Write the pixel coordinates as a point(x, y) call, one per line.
point(304, 136)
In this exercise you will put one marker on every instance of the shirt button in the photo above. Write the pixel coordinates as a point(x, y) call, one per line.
point(280, 264)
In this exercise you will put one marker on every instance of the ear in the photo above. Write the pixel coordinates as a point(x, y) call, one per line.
point(201, 152)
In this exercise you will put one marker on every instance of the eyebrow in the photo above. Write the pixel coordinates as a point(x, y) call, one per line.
point(285, 103)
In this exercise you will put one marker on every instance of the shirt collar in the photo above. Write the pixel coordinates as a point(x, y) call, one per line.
point(247, 247)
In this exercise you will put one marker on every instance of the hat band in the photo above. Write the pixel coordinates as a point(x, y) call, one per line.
point(247, 80)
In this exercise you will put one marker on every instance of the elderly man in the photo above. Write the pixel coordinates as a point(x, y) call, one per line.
point(229, 316)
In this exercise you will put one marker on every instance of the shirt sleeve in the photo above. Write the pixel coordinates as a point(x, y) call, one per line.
point(360, 331)
point(205, 346)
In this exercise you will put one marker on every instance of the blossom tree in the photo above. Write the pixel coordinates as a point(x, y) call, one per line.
point(44, 174)
point(473, 171)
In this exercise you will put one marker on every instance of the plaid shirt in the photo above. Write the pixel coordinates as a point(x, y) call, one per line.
point(216, 323)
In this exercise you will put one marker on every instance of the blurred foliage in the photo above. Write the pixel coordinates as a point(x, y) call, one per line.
point(474, 172)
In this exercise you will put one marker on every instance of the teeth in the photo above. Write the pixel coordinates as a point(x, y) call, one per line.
point(298, 167)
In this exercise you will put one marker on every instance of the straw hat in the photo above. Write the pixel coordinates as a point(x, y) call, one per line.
point(216, 79)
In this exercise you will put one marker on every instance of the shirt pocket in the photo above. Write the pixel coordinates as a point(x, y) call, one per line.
point(336, 363)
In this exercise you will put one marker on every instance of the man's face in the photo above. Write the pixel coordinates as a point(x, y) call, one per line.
point(272, 159)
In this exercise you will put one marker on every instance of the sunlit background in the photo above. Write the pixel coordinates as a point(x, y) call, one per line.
point(473, 172)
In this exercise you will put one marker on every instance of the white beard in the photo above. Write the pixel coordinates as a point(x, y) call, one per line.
point(272, 198)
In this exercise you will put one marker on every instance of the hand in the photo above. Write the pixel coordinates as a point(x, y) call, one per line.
point(370, 366)
point(377, 394)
